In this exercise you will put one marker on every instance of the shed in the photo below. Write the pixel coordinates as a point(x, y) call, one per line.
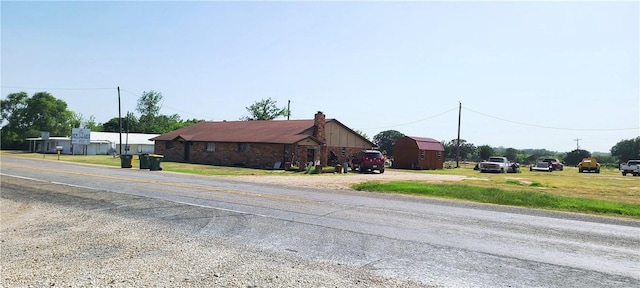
point(418, 153)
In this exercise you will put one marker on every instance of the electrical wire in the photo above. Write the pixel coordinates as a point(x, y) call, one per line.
point(415, 121)
point(549, 127)
point(51, 88)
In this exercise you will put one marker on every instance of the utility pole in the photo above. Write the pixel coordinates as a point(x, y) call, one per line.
point(458, 142)
point(577, 143)
point(120, 120)
point(288, 109)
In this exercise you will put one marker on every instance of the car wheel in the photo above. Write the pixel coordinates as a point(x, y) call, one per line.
point(381, 171)
point(625, 174)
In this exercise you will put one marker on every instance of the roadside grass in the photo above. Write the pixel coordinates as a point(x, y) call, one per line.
point(499, 196)
point(197, 169)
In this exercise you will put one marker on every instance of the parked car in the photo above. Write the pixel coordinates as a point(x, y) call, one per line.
point(555, 163)
point(589, 165)
point(541, 166)
point(368, 160)
point(631, 167)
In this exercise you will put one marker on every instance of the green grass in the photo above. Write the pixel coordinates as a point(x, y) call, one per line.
point(499, 196)
point(197, 169)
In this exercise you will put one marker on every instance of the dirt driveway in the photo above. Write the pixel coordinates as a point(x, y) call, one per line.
point(344, 181)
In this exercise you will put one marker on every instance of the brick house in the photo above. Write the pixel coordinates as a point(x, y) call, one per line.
point(262, 144)
point(418, 153)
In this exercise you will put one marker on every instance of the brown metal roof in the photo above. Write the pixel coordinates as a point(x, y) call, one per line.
point(273, 131)
point(428, 144)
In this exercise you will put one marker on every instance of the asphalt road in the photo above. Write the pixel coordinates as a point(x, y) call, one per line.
point(436, 242)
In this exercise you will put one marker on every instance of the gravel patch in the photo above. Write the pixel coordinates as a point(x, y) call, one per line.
point(48, 245)
point(339, 181)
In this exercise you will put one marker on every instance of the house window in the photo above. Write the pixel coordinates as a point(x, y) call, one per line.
point(243, 147)
point(439, 154)
point(421, 154)
point(211, 146)
point(168, 144)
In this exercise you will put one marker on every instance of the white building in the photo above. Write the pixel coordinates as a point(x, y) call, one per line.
point(100, 143)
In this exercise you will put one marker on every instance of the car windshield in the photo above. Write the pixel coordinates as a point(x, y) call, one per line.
point(495, 160)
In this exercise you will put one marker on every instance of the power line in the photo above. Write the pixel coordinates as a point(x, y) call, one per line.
point(415, 121)
point(549, 127)
point(53, 88)
point(162, 105)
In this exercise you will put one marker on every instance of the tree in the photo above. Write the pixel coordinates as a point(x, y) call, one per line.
point(12, 110)
point(149, 103)
point(24, 117)
point(79, 122)
point(131, 124)
point(385, 140)
point(467, 150)
point(626, 149)
point(574, 157)
point(113, 125)
point(511, 154)
point(149, 108)
point(265, 109)
point(485, 151)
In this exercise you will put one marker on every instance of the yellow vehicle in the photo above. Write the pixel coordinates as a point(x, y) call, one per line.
point(589, 165)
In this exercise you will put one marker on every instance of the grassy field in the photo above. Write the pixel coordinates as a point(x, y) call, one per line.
point(607, 193)
point(608, 185)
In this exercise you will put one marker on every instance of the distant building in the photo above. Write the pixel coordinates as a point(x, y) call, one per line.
point(99, 143)
point(418, 153)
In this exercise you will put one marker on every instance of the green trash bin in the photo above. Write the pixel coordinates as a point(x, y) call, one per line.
point(145, 163)
point(155, 160)
point(125, 161)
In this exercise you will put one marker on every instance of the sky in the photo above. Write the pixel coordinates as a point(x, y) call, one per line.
point(518, 74)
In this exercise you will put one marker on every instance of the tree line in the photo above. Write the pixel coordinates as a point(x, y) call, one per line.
point(24, 117)
point(621, 152)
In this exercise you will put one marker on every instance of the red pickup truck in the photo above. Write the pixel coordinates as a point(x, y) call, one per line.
point(368, 160)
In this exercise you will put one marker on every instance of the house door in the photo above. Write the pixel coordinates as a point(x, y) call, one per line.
point(187, 150)
point(311, 155)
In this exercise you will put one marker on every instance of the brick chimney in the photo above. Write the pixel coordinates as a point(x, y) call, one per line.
point(318, 133)
point(318, 127)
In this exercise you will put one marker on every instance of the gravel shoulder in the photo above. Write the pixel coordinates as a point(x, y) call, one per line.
point(344, 181)
point(95, 242)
